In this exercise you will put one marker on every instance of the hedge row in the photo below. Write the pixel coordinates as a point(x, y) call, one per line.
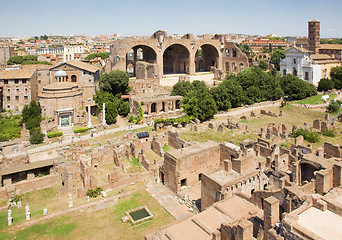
point(181, 120)
point(54, 134)
point(81, 130)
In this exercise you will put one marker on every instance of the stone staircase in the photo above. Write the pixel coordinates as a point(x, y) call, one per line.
point(67, 132)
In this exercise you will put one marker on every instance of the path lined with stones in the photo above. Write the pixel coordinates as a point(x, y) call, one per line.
point(168, 200)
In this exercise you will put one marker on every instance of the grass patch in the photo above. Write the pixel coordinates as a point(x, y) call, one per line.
point(315, 99)
point(135, 161)
point(55, 229)
point(166, 148)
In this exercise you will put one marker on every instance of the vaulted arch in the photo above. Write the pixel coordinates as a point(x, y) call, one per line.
point(176, 59)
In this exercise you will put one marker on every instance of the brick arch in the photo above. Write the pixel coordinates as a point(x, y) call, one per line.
point(132, 55)
point(176, 59)
point(209, 57)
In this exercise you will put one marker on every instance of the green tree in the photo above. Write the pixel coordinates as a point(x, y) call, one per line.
point(111, 112)
point(102, 55)
point(221, 97)
point(21, 59)
point(296, 88)
point(31, 115)
point(201, 106)
point(140, 114)
point(336, 76)
point(333, 106)
point(115, 82)
point(124, 108)
point(263, 65)
point(276, 56)
point(101, 97)
point(270, 47)
point(181, 88)
point(36, 136)
point(325, 84)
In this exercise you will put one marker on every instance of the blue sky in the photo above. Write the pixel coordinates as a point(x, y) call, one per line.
point(143, 17)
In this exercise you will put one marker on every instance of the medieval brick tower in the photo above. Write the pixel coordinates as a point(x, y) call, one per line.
point(314, 36)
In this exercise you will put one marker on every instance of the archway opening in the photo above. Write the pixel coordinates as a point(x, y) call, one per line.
point(153, 107)
point(139, 53)
point(176, 59)
point(206, 57)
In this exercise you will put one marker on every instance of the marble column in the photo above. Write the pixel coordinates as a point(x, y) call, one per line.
point(104, 114)
point(89, 113)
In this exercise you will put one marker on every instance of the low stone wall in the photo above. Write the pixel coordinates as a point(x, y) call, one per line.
point(36, 184)
point(132, 179)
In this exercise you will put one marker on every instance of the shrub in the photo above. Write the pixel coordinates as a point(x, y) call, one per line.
point(283, 104)
point(54, 134)
point(81, 130)
point(329, 133)
point(16, 198)
point(36, 136)
point(180, 120)
point(308, 135)
point(333, 106)
point(132, 119)
point(93, 193)
point(325, 84)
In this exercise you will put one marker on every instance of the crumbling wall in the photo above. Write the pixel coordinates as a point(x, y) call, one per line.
point(331, 150)
point(36, 184)
point(176, 142)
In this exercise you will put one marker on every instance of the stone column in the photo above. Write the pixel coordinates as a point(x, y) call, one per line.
point(104, 115)
point(9, 217)
point(70, 201)
point(89, 113)
point(192, 65)
point(219, 61)
point(160, 63)
point(28, 214)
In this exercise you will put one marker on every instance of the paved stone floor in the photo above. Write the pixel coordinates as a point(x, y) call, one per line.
point(168, 200)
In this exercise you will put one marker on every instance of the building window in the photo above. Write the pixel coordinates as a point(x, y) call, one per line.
point(284, 72)
point(5, 81)
point(8, 106)
point(294, 61)
point(227, 52)
point(234, 52)
point(306, 76)
point(25, 98)
point(23, 81)
point(73, 78)
point(294, 72)
point(8, 98)
point(16, 81)
point(8, 90)
point(17, 98)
